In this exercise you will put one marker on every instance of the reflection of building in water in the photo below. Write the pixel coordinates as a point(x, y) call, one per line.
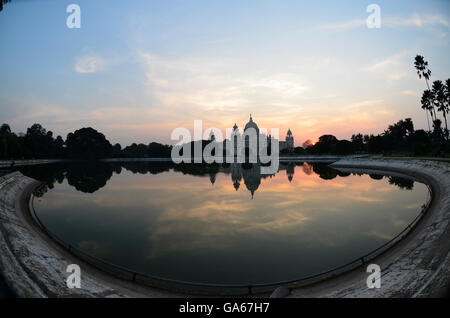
point(290, 169)
point(251, 173)
point(236, 175)
point(252, 177)
point(212, 177)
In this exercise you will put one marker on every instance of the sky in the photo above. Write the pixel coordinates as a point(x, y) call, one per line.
point(136, 70)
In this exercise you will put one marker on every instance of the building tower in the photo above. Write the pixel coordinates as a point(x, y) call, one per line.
point(289, 140)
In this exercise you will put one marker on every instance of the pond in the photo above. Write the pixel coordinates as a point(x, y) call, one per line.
point(223, 223)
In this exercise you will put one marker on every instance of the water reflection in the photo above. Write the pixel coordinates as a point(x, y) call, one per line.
point(90, 177)
point(223, 223)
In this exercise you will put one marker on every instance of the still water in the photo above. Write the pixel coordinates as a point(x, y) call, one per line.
point(223, 223)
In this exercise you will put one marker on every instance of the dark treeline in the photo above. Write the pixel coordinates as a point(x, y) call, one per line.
point(397, 138)
point(85, 144)
point(401, 136)
point(89, 144)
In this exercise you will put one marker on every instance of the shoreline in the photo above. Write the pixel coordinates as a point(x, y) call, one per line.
point(425, 267)
point(27, 162)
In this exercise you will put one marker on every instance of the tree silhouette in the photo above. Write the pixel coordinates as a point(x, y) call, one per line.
point(88, 143)
point(422, 70)
point(2, 2)
point(445, 107)
point(440, 101)
point(427, 103)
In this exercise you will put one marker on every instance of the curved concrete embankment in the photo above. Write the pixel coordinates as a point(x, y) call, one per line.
point(419, 265)
point(35, 266)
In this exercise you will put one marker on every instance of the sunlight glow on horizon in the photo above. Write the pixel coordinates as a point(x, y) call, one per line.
point(137, 71)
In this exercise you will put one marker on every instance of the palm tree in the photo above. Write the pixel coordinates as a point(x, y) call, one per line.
point(439, 98)
point(426, 102)
point(2, 2)
point(422, 70)
point(443, 98)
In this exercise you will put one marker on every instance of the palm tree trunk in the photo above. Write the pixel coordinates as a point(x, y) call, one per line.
point(432, 105)
point(428, 120)
point(446, 127)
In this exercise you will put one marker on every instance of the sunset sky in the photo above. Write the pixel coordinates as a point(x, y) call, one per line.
point(136, 70)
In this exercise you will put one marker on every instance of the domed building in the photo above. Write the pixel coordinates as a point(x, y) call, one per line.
point(251, 125)
point(236, 137)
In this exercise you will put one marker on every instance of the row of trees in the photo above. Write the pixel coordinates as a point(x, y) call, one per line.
point(89, 144)
point(434, 99)
point(84, 143)
point(399, 137)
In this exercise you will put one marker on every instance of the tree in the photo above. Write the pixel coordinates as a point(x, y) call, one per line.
point(420, 142)
point(299, 151)
point(427, 103)
point(117, 150)
point(396, 135)
point(422, 70)
point(442, 99)
point(344, 147)
point(358, 142)
point(376, 144)
point(3, 2)
point(326, 144)
point(157, 150)
point(5, 130)
point(38, 143)
point(89, 144)
point(307, 143)
point(58, 147)
point(438, 137)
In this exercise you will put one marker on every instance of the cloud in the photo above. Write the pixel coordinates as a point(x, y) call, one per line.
point(394, 67)
point(415, 20)
point(388, 62)
point(366, 103)
point(90, 64)
point(227, 87)
point(411, 93)
point(352, 24)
